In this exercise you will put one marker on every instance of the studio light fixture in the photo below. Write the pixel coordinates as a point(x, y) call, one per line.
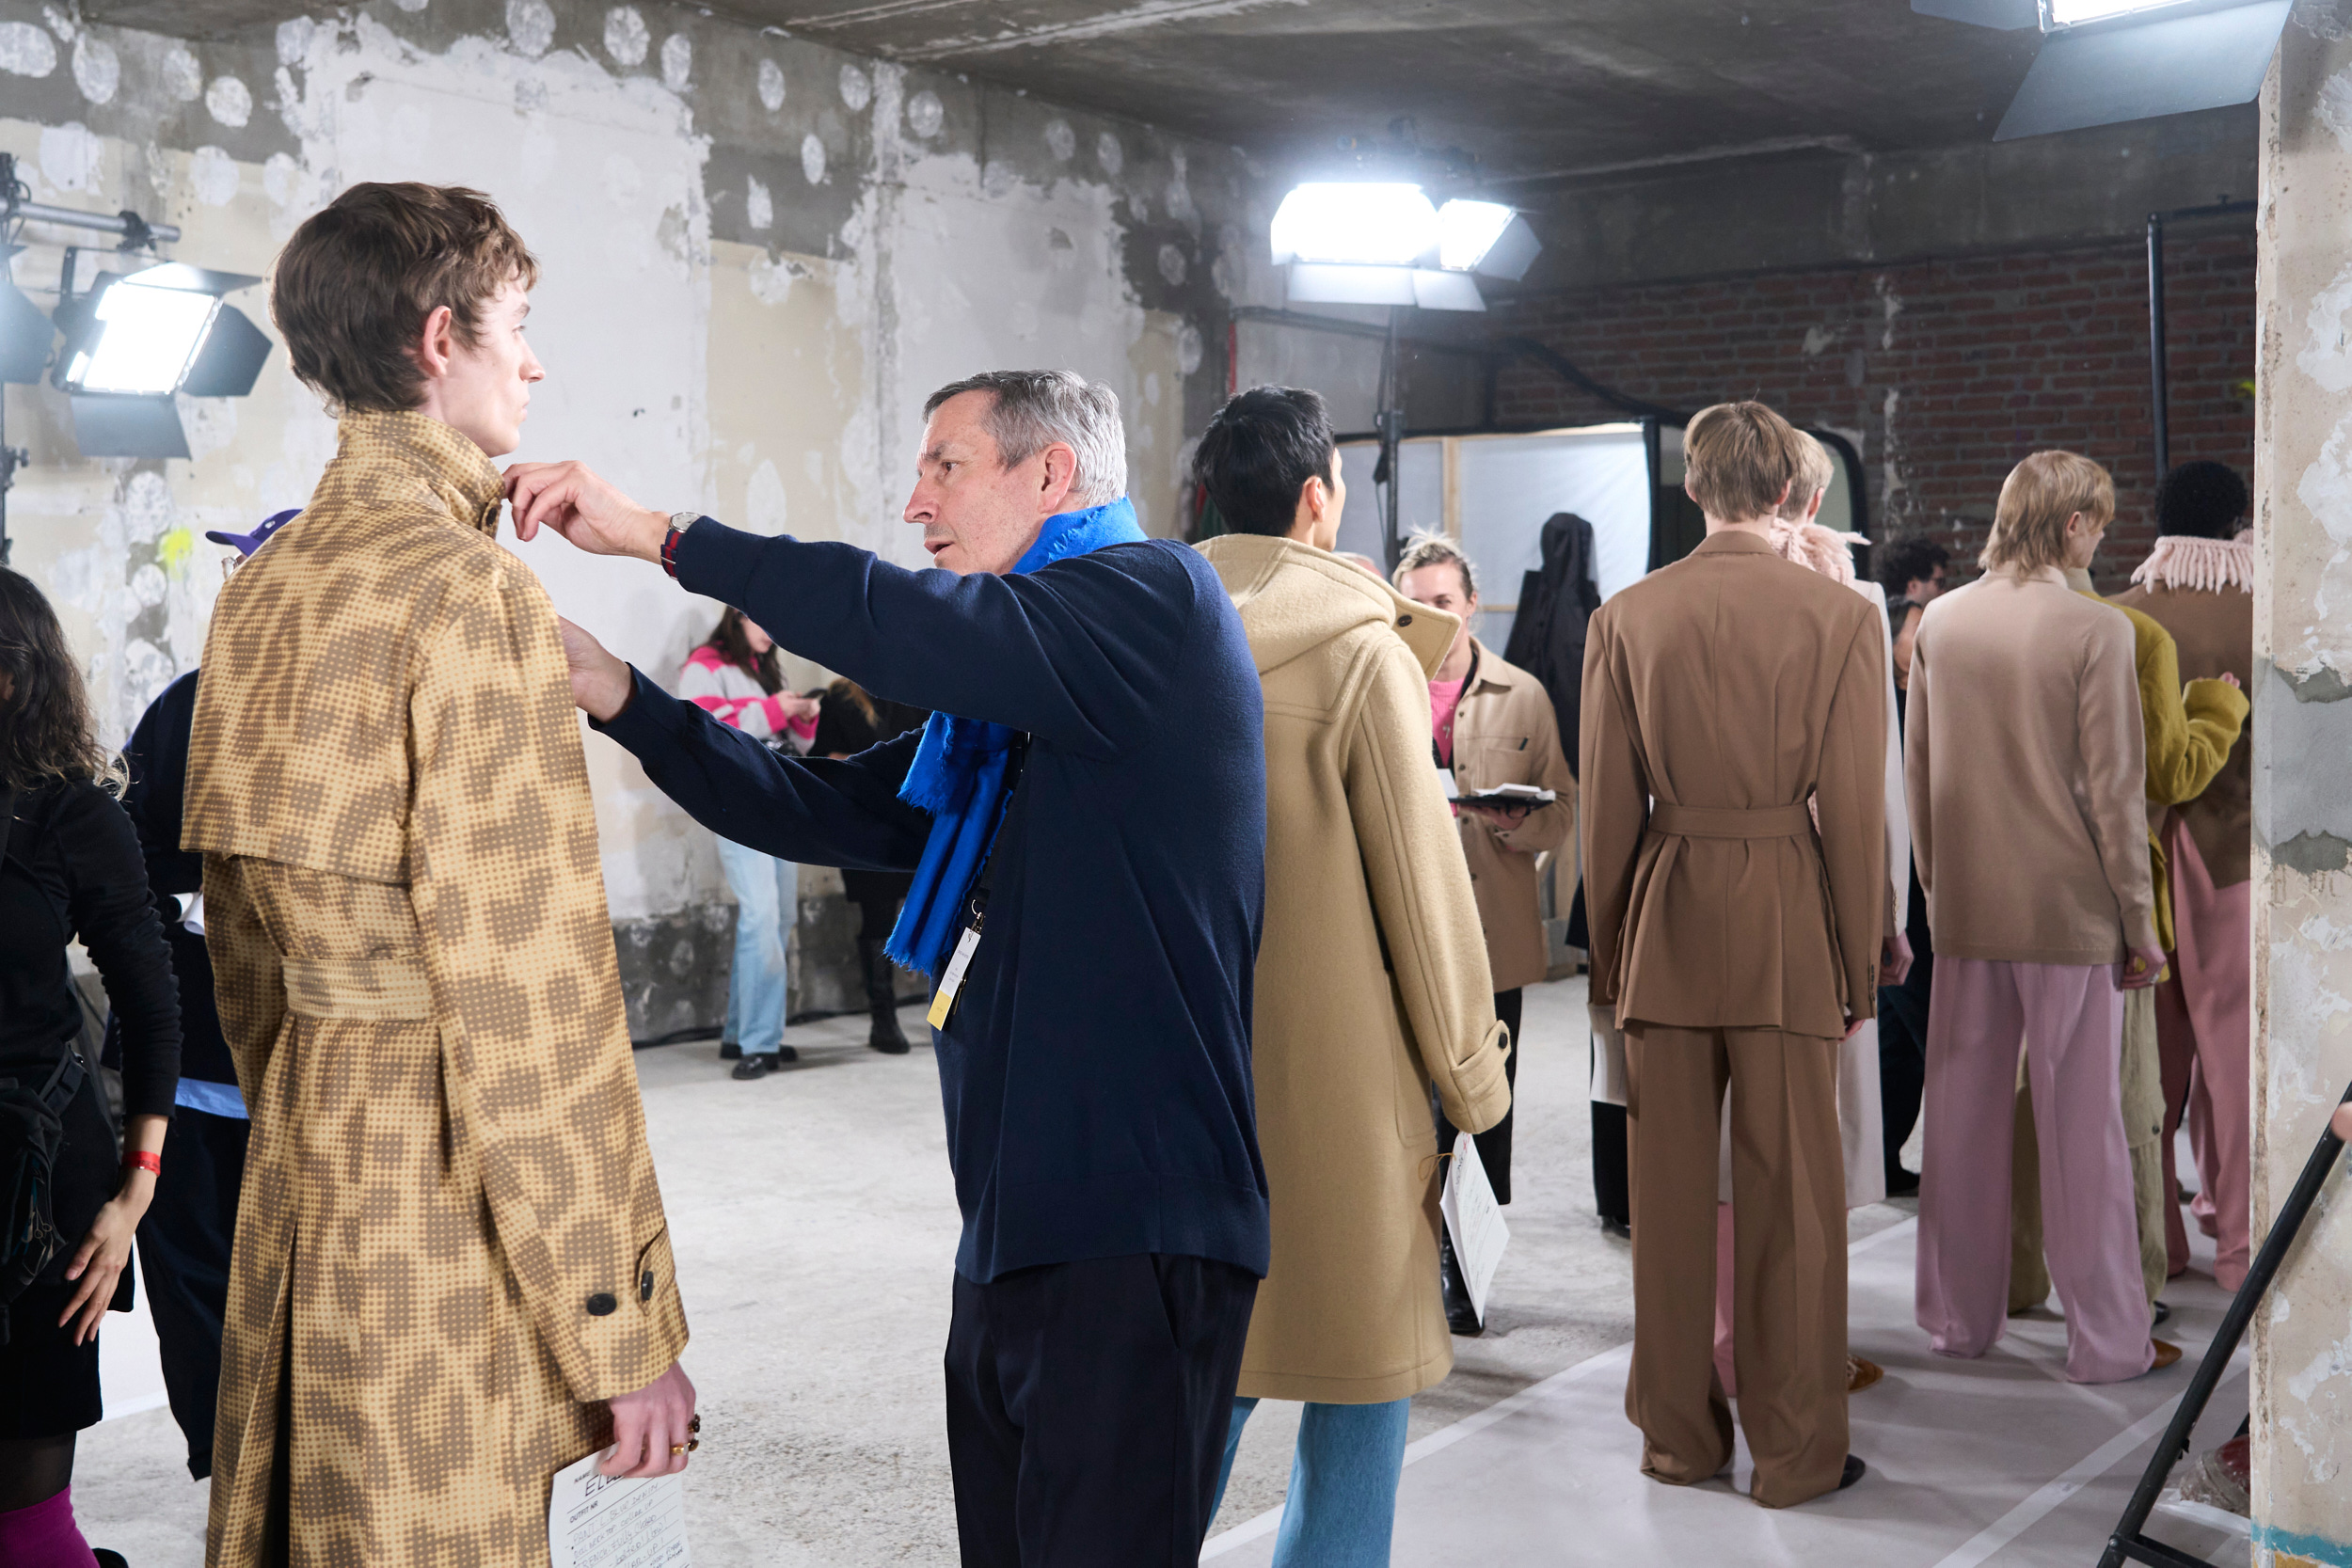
point(1385, 242)
point(2104, 62)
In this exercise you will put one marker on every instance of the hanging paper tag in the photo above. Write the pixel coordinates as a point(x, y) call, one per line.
point(952, 982)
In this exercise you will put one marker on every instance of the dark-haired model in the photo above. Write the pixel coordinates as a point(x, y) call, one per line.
point(452, 1257)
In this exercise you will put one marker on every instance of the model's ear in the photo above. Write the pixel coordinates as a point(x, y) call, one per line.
point(1060, 473)
point(436, 343)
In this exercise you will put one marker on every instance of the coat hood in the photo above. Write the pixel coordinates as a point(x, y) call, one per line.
point(1293, 597)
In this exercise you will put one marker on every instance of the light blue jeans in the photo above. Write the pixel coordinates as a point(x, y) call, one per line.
point(1341, 1506)
point(767, 906)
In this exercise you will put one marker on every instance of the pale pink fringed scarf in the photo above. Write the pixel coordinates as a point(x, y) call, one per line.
point(1816, 549)
point(2181, 561)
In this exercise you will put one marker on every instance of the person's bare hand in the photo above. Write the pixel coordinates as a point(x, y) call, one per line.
point(600, 682)
point(101, 1259)
point(803, 707)
point(2340, 1123)
point(1853, 1027)
point(585, 509)
point(2235, 685)
point(1895, 959)
point(652, 1428)
point(2141, 968)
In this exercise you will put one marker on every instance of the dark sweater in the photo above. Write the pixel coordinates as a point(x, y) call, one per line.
point(1096, 1072)
point(70, 866)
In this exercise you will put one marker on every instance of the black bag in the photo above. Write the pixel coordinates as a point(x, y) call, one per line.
point(32, 1129)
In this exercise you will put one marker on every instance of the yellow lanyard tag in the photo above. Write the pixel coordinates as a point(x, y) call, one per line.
point(952, 982)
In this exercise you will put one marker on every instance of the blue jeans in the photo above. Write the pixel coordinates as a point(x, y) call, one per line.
point(767, 906)
point(1341, 1506)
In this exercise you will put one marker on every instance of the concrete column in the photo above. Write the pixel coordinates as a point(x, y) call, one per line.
point(2302, 887)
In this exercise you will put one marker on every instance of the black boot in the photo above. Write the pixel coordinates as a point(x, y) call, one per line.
point(882, 997)
point(1460, 1316)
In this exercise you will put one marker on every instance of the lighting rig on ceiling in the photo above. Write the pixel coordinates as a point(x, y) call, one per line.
point(2103, 62)
point(1372, 232)
point(132, 340)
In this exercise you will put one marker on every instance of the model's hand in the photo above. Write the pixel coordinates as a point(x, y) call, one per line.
point(600, 682)
point(571, 499)
point(2141, 970)
point(2340, 1123)
point(652, 1428)
point(1895, 957)
point(99, 1262)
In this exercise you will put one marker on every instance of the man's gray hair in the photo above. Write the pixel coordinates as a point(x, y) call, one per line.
point(1032, 410)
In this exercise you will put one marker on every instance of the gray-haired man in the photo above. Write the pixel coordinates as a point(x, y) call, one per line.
point(1088, 835)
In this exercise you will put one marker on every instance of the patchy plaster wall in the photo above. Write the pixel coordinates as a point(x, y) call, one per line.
point(2302, 912)
point(760, 256)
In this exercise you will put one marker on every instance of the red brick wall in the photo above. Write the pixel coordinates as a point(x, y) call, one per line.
point(1942, 374)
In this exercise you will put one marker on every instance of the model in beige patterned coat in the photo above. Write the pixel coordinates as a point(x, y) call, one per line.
point(450, 1256)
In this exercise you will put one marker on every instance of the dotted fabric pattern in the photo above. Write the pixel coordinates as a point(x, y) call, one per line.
point(386, 778)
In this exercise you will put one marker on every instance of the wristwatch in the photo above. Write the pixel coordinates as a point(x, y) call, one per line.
point(679, 523)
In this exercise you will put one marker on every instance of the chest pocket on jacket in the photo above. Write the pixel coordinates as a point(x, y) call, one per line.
point(1495, 760)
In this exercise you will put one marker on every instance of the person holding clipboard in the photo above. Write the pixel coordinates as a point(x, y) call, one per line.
point(1496, 737)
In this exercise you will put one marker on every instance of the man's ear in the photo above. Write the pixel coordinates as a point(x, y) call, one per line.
point(1061, 471)
point(436, 342)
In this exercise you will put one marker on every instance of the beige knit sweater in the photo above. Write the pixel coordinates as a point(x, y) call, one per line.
point(2025, 764)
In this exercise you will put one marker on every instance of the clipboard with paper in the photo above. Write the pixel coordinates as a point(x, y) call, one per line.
point(600, 1521)
point(1473, 1219)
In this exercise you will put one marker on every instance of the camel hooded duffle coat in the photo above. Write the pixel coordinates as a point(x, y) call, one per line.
point(450, 1248)
point(1372, 980)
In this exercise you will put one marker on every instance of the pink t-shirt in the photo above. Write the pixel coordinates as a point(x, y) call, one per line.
point(1445, 697)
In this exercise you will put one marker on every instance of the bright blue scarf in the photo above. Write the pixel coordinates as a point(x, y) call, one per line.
point(959, 771)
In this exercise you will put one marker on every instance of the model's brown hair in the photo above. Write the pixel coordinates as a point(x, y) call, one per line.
point(1818, 472)
point(353, 286)
point(736, 648)
point(1738, 460)
point(46, 732)
point(2040, 493)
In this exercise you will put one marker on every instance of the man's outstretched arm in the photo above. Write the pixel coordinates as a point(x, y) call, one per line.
point(816, 812)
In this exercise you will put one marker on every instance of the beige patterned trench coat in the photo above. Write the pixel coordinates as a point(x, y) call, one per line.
point(450, 1245)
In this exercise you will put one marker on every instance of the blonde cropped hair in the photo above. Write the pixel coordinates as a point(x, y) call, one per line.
point(1434, 549)
point(2037, 499)
point(1815, 472)
point(1739, 459)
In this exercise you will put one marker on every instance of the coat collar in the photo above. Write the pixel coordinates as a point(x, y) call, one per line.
point(1494, 675)
point(411, 455)
point(1249, 566)
point(1736, 541)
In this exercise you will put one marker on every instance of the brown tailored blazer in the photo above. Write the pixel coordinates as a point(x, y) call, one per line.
point(2025, 765)
point(1506, 732)
point(1372, 981)
point(2214, 630)
point(1732, 688)
point(450, 1243)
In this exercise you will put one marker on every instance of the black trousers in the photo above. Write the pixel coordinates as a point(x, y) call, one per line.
point(1612, 1185)
point(1494, 1144)
point(1904, 1051)
point(1087, 1406)
point(183, 1243)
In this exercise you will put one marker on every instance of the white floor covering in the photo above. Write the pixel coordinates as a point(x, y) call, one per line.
point(1998, 1461)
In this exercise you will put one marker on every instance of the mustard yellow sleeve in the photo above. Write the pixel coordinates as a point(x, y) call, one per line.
point(2189, 735)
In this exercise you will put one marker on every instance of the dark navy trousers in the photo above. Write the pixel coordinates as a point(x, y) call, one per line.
point(183, 1248)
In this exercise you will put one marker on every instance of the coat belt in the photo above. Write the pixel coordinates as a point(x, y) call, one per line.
point(384, 989)
point(1731, 821)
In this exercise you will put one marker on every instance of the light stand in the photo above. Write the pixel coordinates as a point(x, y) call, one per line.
point(1389, 422)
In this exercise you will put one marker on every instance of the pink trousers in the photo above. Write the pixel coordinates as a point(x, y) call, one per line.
point(2072, 1018)
point(2204, 1039)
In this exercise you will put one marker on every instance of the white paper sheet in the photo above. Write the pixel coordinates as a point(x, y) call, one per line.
point(596, 1521)
point(1473, 1219)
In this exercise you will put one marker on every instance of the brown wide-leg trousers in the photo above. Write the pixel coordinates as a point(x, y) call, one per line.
point(1789, 1245)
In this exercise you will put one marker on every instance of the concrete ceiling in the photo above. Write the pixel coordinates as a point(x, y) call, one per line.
point(1531, 86)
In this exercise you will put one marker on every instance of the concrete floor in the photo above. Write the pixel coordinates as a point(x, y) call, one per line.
point(814, 1226)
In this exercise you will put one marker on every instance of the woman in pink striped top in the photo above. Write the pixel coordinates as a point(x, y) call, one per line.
point(735, 676)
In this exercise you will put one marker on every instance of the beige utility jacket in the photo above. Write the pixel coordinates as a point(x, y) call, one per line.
point(1372, 980)
point(1505, 731)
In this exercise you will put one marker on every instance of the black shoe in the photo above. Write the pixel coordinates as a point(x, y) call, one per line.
point(108, 1558)
point(1902, 1183)
point(881, 999)
point(1460, 1316)
point(1855, 1470)
point(1611, 1226)
point(730, 1050)
point(2162, 1313)
point(761, 1063)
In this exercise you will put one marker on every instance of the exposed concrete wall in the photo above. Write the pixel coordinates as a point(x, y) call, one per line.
point(760, 255)
point(2302, 905)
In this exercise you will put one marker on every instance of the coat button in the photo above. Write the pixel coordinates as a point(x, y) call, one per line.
point(644, 1286)
point(601, 1305)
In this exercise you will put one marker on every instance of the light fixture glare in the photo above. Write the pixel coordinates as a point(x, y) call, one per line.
point(1355, 225)
point(1467, 231)
point(2073, 13)
point(145, 337)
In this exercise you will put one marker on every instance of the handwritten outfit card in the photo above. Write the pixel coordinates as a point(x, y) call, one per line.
point(1473, 1219)
point(598, 1521)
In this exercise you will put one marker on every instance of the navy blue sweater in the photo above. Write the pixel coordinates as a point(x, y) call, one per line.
point(1096, 1072)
